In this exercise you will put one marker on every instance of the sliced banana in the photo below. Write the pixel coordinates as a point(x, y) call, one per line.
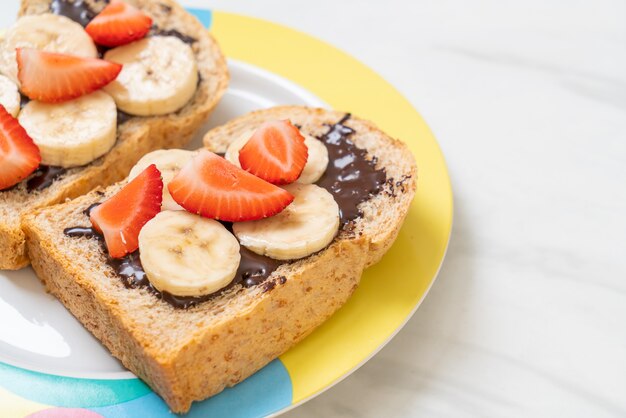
point(315, 165)
point(160, 76)
point(169, 162)
point(9, 96)
point(188, 255)
point(48, 32)
point(307, 225)
point(72, 133)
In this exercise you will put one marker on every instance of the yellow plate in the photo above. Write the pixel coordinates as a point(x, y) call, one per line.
point(390, 291)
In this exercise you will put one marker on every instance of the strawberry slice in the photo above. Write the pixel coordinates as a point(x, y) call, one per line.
point(212, 187)
point(51, 77)
point(118, 24)
point(121, 217)
point(19, 156)
point(276, 152)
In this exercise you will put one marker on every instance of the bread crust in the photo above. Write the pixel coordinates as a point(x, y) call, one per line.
point(189, 355)
point(136, 137)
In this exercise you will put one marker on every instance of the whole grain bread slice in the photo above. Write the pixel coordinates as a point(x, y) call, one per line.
point(191, 354)
point(135, 137)
point(383, 214)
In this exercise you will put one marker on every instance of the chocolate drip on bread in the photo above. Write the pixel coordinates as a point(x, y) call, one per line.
point(77, 10)
point(351, 177)
point(43, 177)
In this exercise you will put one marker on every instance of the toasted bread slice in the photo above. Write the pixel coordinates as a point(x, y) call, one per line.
point(190, 354)
point(135, 137)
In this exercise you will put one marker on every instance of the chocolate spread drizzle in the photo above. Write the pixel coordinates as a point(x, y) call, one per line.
point(351, 178)
point(173, 32)
point(123, 117)
point(43, 177)
point(77, 10)
point(24, 99)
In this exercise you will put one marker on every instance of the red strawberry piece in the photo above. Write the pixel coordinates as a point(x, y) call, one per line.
point(276, 152)
point(121, 217)
point(118, 24)
point(19, 156)
point(214, 188)
point(51, 77)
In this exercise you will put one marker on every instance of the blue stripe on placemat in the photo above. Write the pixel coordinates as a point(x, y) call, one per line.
point(267, 391)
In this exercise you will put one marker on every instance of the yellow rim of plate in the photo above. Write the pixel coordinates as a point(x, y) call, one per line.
point(391, 290)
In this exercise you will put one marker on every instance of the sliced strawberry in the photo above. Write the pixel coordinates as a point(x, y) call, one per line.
point(51, 77)
point(118, 24)
point(276, 152)
point(214, 188)
point(19, 156)
point(121, 217)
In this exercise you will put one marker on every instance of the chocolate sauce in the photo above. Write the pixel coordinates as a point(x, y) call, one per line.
point(43, 177)
point(84, 231)
point(77, 10)
point(172, 32)
point(81, 232)
point(123, 117)
point(131, 271)
point(91, 207)
point(351, 177)
point(23, 100)
point(254, 268)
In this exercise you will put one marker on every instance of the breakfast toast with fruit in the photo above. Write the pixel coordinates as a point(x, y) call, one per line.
point(86, 89)
point(199, 269)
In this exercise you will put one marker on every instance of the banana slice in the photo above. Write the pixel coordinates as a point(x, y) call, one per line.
point(188, 255)
point(48, 32)
point(72, 133)
point(9, 96)
point(315, 165)
point(307, 225)
point(160, 76)
point(169, 162)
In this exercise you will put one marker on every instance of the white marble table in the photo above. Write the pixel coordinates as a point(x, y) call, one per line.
point(528, 101)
